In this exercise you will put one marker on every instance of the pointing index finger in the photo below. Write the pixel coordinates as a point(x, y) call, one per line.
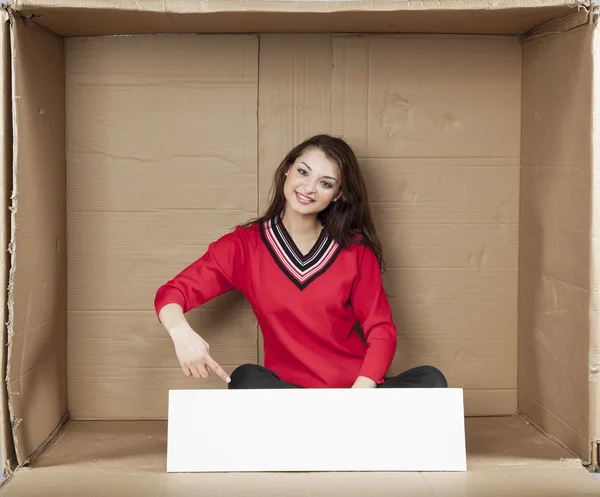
point(212, 364)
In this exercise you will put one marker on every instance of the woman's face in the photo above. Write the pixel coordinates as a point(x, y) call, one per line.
point(312, 183)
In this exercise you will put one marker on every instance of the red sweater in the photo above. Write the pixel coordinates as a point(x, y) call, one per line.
point(306, 305)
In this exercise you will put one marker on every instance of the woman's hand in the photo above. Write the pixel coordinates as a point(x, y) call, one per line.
point(193, 354)
point(191, 348)
point(364, 382)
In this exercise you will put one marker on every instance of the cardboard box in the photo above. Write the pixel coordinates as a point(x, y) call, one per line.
point(125, 156)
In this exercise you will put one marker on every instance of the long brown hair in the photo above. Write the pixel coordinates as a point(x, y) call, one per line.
point(349, 219)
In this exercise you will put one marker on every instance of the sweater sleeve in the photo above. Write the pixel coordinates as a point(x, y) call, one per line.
point(372, 309)
point(213, 274)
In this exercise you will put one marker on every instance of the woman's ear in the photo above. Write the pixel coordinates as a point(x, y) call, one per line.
point(339, 195)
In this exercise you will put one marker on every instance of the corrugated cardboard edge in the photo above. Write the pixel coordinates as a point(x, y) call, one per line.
point(594, 358)
point(196, 7)
point(8, 449)
point(593, 466)
point(11, 244)
point(574, 19)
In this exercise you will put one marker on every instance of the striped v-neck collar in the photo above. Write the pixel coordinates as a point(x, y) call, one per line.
point(299, 268)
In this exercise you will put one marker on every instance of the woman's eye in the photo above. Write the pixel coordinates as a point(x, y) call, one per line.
point(302, 171)
point(327, 185)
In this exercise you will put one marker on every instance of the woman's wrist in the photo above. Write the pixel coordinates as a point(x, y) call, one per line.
point(364, 382)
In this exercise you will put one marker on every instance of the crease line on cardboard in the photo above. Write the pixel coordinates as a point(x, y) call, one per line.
point(555, 440)
point(580, 16)
point(29, 19)
point(549, 435)
point(59, 432)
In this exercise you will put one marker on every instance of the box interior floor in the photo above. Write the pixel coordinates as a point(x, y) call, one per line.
point(506, 457)
point(130, 154)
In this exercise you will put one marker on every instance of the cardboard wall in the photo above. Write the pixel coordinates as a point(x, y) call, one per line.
point(6, 440)
point(36, 374)
point(595, 259)
point(172, 140)
point(294, 101)
point(441, 161)
point(164, 155)
point(554, 284)
point(161, 161)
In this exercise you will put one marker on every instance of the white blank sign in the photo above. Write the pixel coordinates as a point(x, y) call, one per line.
point(316, 430)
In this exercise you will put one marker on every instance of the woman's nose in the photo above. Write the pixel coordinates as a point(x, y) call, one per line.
point(311, 185)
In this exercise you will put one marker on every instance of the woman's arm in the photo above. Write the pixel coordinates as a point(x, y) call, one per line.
point(372, 309)
point(215, 273)
point(191, 349)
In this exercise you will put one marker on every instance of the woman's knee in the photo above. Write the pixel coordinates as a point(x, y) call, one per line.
point(243, 376)
point(435, 378)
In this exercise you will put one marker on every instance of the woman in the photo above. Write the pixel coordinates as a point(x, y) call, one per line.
point(310, 268)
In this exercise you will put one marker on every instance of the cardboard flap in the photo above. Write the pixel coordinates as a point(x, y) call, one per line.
point(36, 372)
point(7, 444)
point(98, 17)
point(554, 286)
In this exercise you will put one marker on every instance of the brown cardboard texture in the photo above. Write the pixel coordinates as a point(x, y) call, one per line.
point(507, 457)
point(125, 156)
point(7, 443)
point(555, 236)
point(594, 361)
point(36, 370)
point(101, 17)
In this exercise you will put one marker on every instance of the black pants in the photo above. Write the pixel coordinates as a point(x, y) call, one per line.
point(254, 376)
